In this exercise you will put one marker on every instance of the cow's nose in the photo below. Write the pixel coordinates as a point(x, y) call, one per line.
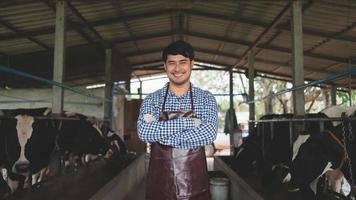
point(23, 167)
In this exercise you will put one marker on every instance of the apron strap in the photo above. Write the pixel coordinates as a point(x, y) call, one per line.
point(191, 98)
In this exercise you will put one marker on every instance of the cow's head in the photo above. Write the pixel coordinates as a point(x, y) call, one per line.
point(24, 133)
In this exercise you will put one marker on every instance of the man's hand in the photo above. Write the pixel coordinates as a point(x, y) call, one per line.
point(197, 122)
point(148, 118)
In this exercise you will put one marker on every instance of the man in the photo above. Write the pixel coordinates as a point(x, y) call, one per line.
point(177, 121)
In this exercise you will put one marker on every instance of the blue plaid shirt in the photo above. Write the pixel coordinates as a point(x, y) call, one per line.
point(179, 133)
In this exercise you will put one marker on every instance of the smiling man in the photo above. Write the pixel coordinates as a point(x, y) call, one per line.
point(178, 121)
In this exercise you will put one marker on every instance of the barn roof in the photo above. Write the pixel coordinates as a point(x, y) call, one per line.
point(221, 32)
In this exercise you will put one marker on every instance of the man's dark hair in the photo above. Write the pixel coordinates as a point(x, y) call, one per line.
point(178, 48)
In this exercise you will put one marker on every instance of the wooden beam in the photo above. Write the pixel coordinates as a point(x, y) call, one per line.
point(286, 26)
point(70, 24)
point(270, 27)
point(131, 34)
point(84, 21)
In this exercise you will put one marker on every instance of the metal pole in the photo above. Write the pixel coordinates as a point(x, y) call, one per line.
point(232, 132)
point(333, 95)
point(251, 90)
point(231, 89)
point(350, 89)
point(140, 92)
point(108, 83)
point(59, 57)
point(291, 137)
point(298, 67)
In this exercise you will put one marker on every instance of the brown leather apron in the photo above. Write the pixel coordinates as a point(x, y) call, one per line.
point(177, 174)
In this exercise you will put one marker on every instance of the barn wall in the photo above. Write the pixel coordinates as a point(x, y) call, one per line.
point(11, 99)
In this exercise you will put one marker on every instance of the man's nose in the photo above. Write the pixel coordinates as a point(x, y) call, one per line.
point(177, 67)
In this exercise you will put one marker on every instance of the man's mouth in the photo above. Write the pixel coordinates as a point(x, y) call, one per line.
point(178, 75)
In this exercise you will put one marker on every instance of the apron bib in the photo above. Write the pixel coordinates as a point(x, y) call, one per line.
point(177, 174)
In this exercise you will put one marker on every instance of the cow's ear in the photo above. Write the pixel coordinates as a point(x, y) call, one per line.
point(17, 117)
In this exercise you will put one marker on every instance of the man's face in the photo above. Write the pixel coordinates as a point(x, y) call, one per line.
point(178, 69)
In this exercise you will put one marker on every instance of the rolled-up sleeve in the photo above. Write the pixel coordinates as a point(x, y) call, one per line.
point(202, 135)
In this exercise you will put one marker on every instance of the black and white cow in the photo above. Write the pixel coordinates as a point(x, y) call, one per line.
point(28, 144)
point(26, 147)
point(322, 156)
point(83, 140)
point(270, 151)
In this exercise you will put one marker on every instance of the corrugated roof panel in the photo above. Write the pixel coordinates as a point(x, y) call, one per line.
point(73, 38)
point(316, 63)
point(338, 49)
point(146, 58)
point(208, 26)
point(28, 16)
point(311, 41)
point(228, 61)
point(269, 55)
point(126, 47)
point(283, 39)
point(14, 47)
point(263, 10)
point(95, 10)
point(46, 39)
point(203, 43)
point(228, 7)
point(4, 30)
point(341, 68)
point(138, 7)
point(154, 43)
point(150, 25)
point(203, 57)
point(321, 19)
point(263, 67)
point(230, 48)
point(351, 34)
point(113, 31)
point(246, 32)
point(328, 17)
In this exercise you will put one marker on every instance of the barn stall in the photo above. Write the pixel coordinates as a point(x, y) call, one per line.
point(51, 50)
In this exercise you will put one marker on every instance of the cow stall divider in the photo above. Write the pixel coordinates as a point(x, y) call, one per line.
point(299, 87)
point(295, 123)
point(98, 99)
point(347, 134)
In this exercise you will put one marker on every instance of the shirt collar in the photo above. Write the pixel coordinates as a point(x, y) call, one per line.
point(171, 94)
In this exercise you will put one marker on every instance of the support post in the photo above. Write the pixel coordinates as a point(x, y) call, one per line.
point(298, 69)
point(333, 95)
point(140, 89)
point(232, 132)
point(59, 57)
point(298, 65)
point(251, 89)
point(128, 84)
point(231, 89)
point(108, 84)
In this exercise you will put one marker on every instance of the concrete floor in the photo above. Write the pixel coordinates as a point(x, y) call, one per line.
point(139, 193)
